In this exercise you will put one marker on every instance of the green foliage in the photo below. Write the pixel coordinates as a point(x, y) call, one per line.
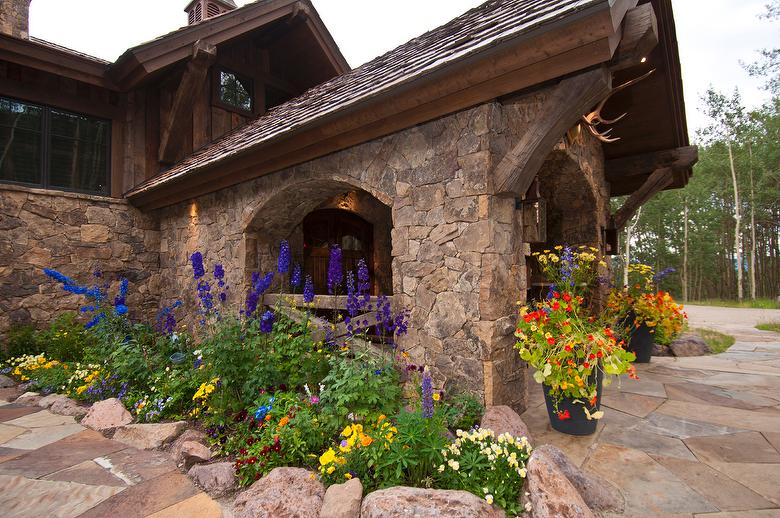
point(20, 341)
point(360, 384)
point(490, 467)
point(755, 304)
point(462, 411)
point(717, 342)
point(769, 326)
point(64, 339)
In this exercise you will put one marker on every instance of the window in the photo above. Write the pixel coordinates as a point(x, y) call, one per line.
point(234, 91)
point(52, 148)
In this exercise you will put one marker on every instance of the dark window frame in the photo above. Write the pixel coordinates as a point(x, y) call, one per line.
point(45, 153)
point(216, 98)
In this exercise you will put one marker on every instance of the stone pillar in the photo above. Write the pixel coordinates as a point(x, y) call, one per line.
point(15, 18)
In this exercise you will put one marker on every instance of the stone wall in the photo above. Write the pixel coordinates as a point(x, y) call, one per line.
point(15, 18)
point(75, 234)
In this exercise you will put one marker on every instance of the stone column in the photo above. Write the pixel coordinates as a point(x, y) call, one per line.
point(15, 18)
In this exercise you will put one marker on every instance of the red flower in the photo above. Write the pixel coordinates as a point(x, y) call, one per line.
point(567, 297)
point(556, 295)
point(528, 318)
point(556, 305)
point(586, 365)
point(567, 348)
point(569, 308)
point(593, 401)
point(591, 356)
point(564, 415)
point(599, 354)
point(551, 341)
point(590, 338)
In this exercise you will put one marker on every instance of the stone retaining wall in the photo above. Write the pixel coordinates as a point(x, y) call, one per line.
point(75, 234)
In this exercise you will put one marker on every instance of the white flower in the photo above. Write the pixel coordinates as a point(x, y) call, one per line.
point(454, 464)
point(197, 352)
point(489, 499)
point(441, 468)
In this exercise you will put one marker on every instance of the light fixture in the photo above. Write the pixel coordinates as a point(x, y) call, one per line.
point(643, 60)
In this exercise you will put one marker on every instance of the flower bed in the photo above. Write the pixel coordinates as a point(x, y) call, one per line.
point(273, 389)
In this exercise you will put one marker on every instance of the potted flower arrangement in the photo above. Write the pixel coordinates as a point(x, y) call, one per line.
point(564, 342)
point(644, 314)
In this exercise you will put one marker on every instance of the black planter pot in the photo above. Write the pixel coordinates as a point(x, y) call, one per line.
point(578, 423)
point(641, 343)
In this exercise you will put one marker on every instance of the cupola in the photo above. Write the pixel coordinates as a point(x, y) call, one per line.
point(199, 10)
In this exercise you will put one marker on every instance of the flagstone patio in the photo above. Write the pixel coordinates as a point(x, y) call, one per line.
point(694, 437)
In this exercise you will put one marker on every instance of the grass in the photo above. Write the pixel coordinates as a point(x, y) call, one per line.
point(769, 326)
point(718, 342)
point(754, 304)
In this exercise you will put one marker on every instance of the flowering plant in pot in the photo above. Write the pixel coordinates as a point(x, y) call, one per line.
point(644, 314)
point(569, 349)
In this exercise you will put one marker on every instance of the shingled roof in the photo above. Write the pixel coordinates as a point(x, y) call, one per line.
point(480, 28)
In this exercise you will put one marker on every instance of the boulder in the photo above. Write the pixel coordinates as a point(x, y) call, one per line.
point(28, 398)
point(283, 493)
point(194, 453)
point(6, 382)
point(67, 406)
point(426, 503)
point(550, 494)
point(597, 493)
point(661, 350)
point(216, 479)
point(689, 344)
point(188, 435)
point(107, 414)
point(149, 436)
point(502, 419)
point(48, 401)
point(343, 500)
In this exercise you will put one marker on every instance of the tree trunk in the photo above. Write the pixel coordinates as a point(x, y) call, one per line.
point(630, 230)
point(752, 229)
point(685, 251)
point(737, 226)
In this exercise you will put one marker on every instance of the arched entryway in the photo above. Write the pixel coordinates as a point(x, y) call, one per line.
point(325, 228)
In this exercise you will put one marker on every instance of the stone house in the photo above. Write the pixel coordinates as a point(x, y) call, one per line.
point(444, 162)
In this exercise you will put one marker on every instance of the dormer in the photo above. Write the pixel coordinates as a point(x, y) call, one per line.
point(199, 10)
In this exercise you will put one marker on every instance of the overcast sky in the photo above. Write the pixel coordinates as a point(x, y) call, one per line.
point(714, 35)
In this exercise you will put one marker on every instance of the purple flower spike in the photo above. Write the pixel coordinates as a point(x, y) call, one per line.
point(308, 290)
point(283, 264)
point(335, 272)
point(267, 322)
point(197, 265)
point(427, 395)
point(295, 278)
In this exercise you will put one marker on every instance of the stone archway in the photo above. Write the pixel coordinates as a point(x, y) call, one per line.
point(282, 215)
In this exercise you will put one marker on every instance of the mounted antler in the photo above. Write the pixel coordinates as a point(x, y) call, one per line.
point(594, 118)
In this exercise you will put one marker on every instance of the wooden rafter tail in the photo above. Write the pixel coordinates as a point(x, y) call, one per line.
point(655, 183)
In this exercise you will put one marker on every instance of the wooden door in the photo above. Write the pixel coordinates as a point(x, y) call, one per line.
point(325, 228)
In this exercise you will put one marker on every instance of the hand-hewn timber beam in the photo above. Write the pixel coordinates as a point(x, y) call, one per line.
point(657, 182)
point(677, 159)
point(640, 37)
point(569, 100)
point(180, 119)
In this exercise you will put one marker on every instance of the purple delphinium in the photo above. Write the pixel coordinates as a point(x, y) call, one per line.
point(295, 278)
point(259, 286)
point(283, 262)
point(267, 322)
point(166, 319)
point(353, 304)
point(308, 290)
point(335, 271)
point(121, 297)
point(95, 294)
point(197, 265)
point(657, 278)
point(427, 395)
point(364, 283)
point(219, 276)
point(568, 265)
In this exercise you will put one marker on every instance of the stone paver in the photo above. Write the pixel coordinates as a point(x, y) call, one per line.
point(695, 437)
point(52, 466)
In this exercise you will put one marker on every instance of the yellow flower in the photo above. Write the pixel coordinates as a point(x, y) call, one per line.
point(348, 476)
point(328, 457)
point(436, 397)
point(331, 469)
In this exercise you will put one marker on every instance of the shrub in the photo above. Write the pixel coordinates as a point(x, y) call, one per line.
point(463, 411)
point(22, 340)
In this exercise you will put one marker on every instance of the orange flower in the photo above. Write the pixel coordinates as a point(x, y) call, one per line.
point(365, 440)
point(268, 417)
point(283, 421)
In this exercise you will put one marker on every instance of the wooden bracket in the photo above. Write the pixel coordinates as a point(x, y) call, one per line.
point(640, 37)
point(179, 123)
point(656, 182)
point(563, 108)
